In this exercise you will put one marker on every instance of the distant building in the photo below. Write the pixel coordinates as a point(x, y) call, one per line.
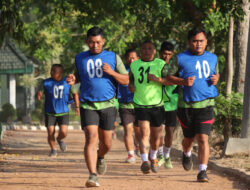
point(14, 63)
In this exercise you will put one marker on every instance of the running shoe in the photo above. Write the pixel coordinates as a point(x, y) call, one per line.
point(101, 166)
point(92, 181)
point(145, 168)
point(161, 160)
point(168, 164)
point(130, 159)
point(62, 145)
point(187, 162)
point(202, 176)
point(53, 153)
point(154, 165)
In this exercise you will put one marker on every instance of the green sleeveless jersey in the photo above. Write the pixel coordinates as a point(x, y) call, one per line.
point(170, 95)
point(147, 93)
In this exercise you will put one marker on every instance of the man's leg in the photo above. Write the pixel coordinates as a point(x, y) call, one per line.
point(155, 137)
point(144, 145)
point(203, 148)
point(105, 142)
point(160, 153)
point(107, 118)
point(52, 141)
point(90, 154)
point(129, 142)
point(90, 148)
point(63, 131)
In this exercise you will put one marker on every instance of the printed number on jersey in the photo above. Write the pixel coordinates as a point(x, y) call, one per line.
point(143, 74)
point(58, 91)
point(94, 68)
point(206, 69)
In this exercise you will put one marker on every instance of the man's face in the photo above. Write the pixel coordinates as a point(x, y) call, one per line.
point(166, 55)
point(198, 43)
point(147, 52)
point(95, 44)
point(131, 57)
point(56, 73)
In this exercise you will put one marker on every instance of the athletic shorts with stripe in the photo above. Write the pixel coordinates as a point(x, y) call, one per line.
point(104, 118)
point(196, 120)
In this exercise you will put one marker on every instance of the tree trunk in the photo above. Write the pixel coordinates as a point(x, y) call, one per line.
point(241, 47)
point(230, 56)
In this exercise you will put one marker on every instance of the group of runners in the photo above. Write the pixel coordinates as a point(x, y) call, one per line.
point(151, 92)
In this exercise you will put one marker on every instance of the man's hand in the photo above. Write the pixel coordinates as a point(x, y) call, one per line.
point(131, 88)
point(107, 69)
point(39, 95)
point(71, 79)
point(152, 77)
point(189, 81)
point(214, 79)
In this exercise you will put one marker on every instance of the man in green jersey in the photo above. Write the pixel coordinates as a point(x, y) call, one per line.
point(98, 71)
point(170, 106)
point(196, 71)
point(148, 102)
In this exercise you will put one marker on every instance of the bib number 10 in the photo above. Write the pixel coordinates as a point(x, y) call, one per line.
point(206, 68)
point(94, 68)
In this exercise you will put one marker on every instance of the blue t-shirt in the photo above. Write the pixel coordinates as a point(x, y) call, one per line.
point(56, 95)
point(96, 85)
point(202, 67)
point(124, 95)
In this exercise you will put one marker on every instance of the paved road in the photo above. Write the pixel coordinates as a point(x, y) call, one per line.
point(24, 164)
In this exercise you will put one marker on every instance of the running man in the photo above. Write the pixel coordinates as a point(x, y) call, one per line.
point(57, 92)
point(98, 71)
point(197, 75)
point(148, 103)
point(170, 106)
point(126, 110)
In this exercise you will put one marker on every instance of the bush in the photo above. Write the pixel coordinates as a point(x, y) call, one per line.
point(8, 113)
point(228, 108)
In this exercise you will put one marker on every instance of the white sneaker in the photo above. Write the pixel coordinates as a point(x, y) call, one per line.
point(130, 159)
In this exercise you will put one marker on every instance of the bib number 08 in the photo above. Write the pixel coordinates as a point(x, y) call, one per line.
point(94, 68)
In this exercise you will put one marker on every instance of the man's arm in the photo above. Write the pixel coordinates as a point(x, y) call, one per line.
point(120, 78)
point(131, 85)
point(162, 80)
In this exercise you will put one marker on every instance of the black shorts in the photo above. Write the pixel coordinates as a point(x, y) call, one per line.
point(51, 120)
point(170, 118)
point(104, 118)
point(196, 120)
point(127, 116)
point(154, 115)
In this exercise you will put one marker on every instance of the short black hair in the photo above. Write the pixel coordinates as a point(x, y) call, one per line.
point(95, 31)
point(196, 30)
point(148, 42)
point(57, 65)
point(128, 51)
point(166, 45)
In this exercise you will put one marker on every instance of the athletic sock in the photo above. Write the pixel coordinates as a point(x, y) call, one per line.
point(202, 167)
point(188, 154)
point(153, 154)
point(144, 157)
point(160, 150)
point(167, 151)
point(131, 152)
